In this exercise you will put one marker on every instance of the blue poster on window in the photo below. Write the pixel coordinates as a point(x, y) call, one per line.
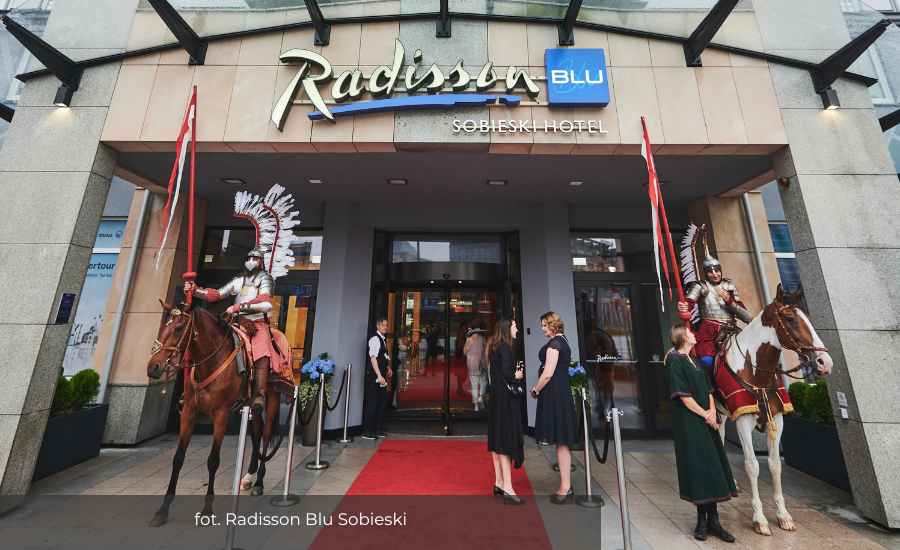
point(89, 316)
point(577, 78)
point(110, 234)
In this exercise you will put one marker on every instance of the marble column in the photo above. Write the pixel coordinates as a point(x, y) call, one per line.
point(54, 175)
point(841, 207)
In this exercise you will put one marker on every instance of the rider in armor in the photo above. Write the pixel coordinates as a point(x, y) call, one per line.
point(718, 303)
point(253, 290)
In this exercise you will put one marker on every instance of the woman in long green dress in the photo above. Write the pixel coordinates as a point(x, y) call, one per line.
point(704, 475)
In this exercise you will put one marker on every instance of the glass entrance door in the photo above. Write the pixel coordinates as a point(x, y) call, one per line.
point(419, 358)
point(428, 332)
point(624, 337)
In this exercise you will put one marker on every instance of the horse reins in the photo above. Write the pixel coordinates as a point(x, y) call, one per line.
point(762, 394)
point(795, 347)
point(171, 368)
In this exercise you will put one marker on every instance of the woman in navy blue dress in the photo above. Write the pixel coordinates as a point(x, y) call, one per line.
point(555, 421)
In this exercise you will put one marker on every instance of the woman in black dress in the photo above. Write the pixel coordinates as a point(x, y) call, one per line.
point(505, 439)
point(555, 420)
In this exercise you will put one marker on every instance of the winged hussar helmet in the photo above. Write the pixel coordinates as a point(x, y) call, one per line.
point(273, 220)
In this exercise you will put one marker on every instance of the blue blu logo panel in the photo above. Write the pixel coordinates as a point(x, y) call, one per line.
point(577, 78)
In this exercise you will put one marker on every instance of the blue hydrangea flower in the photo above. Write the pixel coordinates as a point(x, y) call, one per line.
point(313, 375)
point(571, 371)
point(579, 369)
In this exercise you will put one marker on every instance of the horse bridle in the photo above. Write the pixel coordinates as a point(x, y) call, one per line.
point(804, 352)
point(168, 366)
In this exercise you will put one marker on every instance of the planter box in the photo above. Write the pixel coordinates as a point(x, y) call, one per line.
point(71, 439)
point(815, 449)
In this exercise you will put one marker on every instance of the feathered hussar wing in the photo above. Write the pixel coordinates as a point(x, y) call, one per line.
point(273, 219)
point(689, 266)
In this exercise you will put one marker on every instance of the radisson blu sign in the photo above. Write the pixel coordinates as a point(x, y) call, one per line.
point(577, 78)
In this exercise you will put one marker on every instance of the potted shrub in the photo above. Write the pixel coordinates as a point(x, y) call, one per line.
point(75, 427)
point(810, 440)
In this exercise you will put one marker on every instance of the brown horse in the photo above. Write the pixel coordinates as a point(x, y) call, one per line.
point(216, 387)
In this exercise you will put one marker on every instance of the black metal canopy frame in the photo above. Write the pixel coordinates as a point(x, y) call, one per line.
point(823, 74)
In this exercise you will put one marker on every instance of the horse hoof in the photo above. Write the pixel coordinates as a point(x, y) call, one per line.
point(158, 520)
point(257, 491)
point(787, 524)
point(762, 528)
point(245, 485)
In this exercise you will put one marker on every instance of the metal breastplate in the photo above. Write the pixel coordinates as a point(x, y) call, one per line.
point(712, 306)
point(250, 289)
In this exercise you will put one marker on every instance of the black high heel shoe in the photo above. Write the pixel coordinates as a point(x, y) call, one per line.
point(568, 497)
point(497, 491)
point(512, 499)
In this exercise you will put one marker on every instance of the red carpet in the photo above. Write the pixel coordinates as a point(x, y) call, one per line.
point(432, 468)
point(412, 479)
point(428, 385)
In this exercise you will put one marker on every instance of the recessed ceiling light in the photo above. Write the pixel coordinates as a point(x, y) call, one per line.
point(496, 182)
point(661, 183)
point(315, 181)
point(397, 182)
point(575, 183)
point(234, 180)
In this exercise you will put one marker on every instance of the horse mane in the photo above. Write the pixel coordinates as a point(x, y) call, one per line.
point(223, 325)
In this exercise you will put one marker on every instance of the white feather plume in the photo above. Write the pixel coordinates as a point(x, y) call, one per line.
point(279, 254)
point(689, 266)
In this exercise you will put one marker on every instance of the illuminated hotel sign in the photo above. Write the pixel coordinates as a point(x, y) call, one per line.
point(578, 79)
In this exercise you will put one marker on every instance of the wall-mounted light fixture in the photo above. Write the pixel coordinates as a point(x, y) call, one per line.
point(234, 181)
point(496, 182)
point(397, 182)
point(315, 181)
point(63, 96)
point(827, 72)
point(576, 183)
point(63, 68)
point(830, 99)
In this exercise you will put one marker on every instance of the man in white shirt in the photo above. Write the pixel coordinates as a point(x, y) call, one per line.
point(375, 384)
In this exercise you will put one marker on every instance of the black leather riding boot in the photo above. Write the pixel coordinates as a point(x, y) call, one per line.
point(714, 527)
point(260, 376)
point(700, 530)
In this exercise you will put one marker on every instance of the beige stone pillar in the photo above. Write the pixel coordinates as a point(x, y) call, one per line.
point(729, 241)
point(138, 409)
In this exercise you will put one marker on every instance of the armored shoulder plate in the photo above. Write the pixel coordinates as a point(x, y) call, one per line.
point(693, 291)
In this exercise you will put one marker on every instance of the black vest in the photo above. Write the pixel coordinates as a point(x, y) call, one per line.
point(381, 359)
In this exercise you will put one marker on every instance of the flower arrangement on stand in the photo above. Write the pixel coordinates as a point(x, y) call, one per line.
point(577, 380)
point(310, 378)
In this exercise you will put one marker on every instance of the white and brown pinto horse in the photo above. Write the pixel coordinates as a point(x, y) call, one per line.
point(753, 356)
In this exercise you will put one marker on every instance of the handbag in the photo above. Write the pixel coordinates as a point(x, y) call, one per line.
point(515, 388)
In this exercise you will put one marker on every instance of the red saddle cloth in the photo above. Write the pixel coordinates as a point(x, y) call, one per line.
point(282, 377)
point(739, 401)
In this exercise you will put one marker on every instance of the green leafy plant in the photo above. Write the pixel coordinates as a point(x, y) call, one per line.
point(577, 380)
point(72, 395)
point(818, 405)
point(811, 401)
point(62, 398)
point(797, 392)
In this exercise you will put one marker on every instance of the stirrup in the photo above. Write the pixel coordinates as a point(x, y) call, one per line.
point(258, 403)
